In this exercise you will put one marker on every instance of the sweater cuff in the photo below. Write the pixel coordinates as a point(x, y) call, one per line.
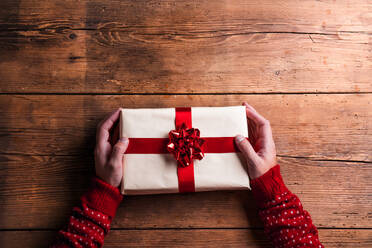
point(102, 197)
point(269, 185)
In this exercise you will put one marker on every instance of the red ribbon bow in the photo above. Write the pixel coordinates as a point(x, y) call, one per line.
point(185, 144)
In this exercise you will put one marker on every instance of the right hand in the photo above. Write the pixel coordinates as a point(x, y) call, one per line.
point(259, 151)
point(109, 151)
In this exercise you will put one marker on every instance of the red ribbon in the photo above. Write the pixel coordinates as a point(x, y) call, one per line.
point(186, 145)
point(186, 182)
point(159, 145)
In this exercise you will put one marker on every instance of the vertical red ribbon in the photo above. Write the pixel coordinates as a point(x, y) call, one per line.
point(186, 182)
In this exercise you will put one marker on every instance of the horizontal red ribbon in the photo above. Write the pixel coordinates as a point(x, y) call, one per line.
point(159, 145)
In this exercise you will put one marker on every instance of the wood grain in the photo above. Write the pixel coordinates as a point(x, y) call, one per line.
point(176, 47)
point(63, 61)
point(40, 191)
point(188, 238)
point(322, 126)
point(256, 15)
point(48, 140)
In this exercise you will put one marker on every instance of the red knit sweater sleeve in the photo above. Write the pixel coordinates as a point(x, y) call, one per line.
point(286, 223)
point(90, 222)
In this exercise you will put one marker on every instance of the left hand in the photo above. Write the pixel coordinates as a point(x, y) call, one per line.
point(109, 152)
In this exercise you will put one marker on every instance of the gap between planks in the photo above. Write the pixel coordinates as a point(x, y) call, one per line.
point(278, 155)
point(181, 93)
point(174, 228)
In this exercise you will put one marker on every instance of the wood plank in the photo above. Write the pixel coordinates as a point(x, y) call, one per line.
point(238, 15)
point(40, 191)
point(321, 126)
point(188, 238)
point(167, 47)
point(144, 63)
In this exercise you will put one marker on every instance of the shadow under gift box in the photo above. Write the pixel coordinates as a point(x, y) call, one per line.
point(156, 173)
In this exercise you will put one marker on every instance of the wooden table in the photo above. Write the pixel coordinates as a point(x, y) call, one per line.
point(305, 65)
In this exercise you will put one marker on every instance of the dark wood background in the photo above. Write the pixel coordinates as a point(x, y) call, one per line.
point(305, 65)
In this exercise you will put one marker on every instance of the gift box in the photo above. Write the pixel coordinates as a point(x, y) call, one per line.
point(174, 150)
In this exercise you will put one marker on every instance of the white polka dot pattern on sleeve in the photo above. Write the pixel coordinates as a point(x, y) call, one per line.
point(287, 223)
point(87, 228)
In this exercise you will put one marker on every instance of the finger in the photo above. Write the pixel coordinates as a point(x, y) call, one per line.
point(254, 115)
point(103, 128)
point(264, 129)
point(118, 151)
point(246, 148)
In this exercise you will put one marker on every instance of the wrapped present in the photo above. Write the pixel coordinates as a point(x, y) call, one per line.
point(175, 150)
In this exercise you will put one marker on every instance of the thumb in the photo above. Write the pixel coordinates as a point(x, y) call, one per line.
point(246, 148)
point(119, 149)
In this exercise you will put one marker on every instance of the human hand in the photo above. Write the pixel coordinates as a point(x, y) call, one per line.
point(259, 151)
point(109, 151)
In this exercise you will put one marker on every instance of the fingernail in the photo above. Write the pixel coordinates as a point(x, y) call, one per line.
point(124, 140)
point(239, 138)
